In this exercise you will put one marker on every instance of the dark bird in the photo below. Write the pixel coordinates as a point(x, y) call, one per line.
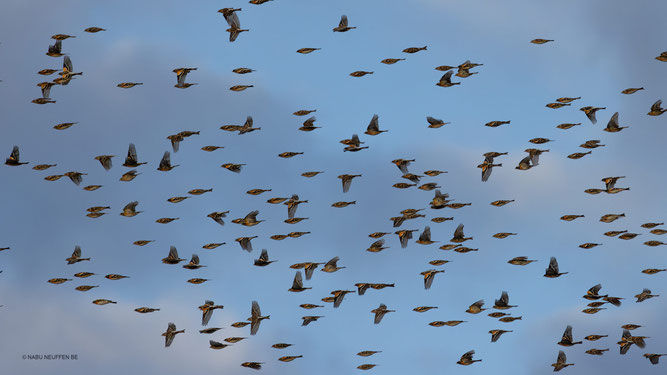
point(342, 25)
point(256, 317)
point(567, 340)
point(170, 334)
point(263, 259)
point(14, 158)
point(552, 270)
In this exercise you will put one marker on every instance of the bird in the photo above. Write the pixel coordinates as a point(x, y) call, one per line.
point(590, 112)
point(165, 163)
point(496, 333)
point(331, 265)
point(217, 216)
point(233, 21)
point(347, 181)
point(380, 312)
point(207, 311)
point(435, 123)
point(181, 74)
point(561, 362)
point(105, 161)
point(503, 302)
point(487, 167)
point(338, 296)
point(14, 158)
point(256, 318)
point(429, 276)
point(263, 259)
point(342, 25)
point(476, 307)
point(249, 220)
point(425, 237)
point(446, 80)
point(194, 263)
point(170, 333)
point(653, 358)
point(172, 257)
point(552, 270)
point(567, 340)
point(309, 319)
point(76, 256)
point(131, 161)
point(374, 127)
point(656, 109)
point(612, 125)
point(466, 358)
point(645, 294)
point(459, 237)
point(297, 284)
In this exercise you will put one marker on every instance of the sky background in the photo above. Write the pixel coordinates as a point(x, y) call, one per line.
point(601, 48)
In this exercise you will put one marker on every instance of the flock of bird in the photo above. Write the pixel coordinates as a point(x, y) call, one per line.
point(501, 307)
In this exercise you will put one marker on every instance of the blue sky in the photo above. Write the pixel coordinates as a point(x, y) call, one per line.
point(600, 48)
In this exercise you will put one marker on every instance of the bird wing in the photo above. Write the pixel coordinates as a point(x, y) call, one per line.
point(374, 125)
point(67, 64)
point(343, 21)
point(298, 281)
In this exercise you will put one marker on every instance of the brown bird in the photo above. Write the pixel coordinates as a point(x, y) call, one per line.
point(194, 263)
point(645, 294)
point(207, 311)
point(459, 237)
point(552, 270)
point(76, 256)
point(446, 80)
point(612, 125)
point(520, 261)
point(342, 25)
point(307, 50)
point(466, 359)
point(297, 284)
point(360, 73)
point(429, 276)
point(654, 358)
point(172, 257)
point(567, 340)
point(496, 333)
point(263, 259)
point(503, 302)
point(14, 158)
point(476, 307)
point(374, 127)
point(380, 312)
point(170, 334)
point(590, 112)
point(414, 49)
point(346, 179)
point(631, 90)
point(131, 161)
point(656, 109)
point(561, 362)
point(435, 123)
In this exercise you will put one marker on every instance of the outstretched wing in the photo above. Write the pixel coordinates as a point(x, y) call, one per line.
point(77, 252)
point(343, 21)
point(67, 65)
point(374, 125)
point(458, 233)
point(131, 154)
point(298, 281)
point(166, 160)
